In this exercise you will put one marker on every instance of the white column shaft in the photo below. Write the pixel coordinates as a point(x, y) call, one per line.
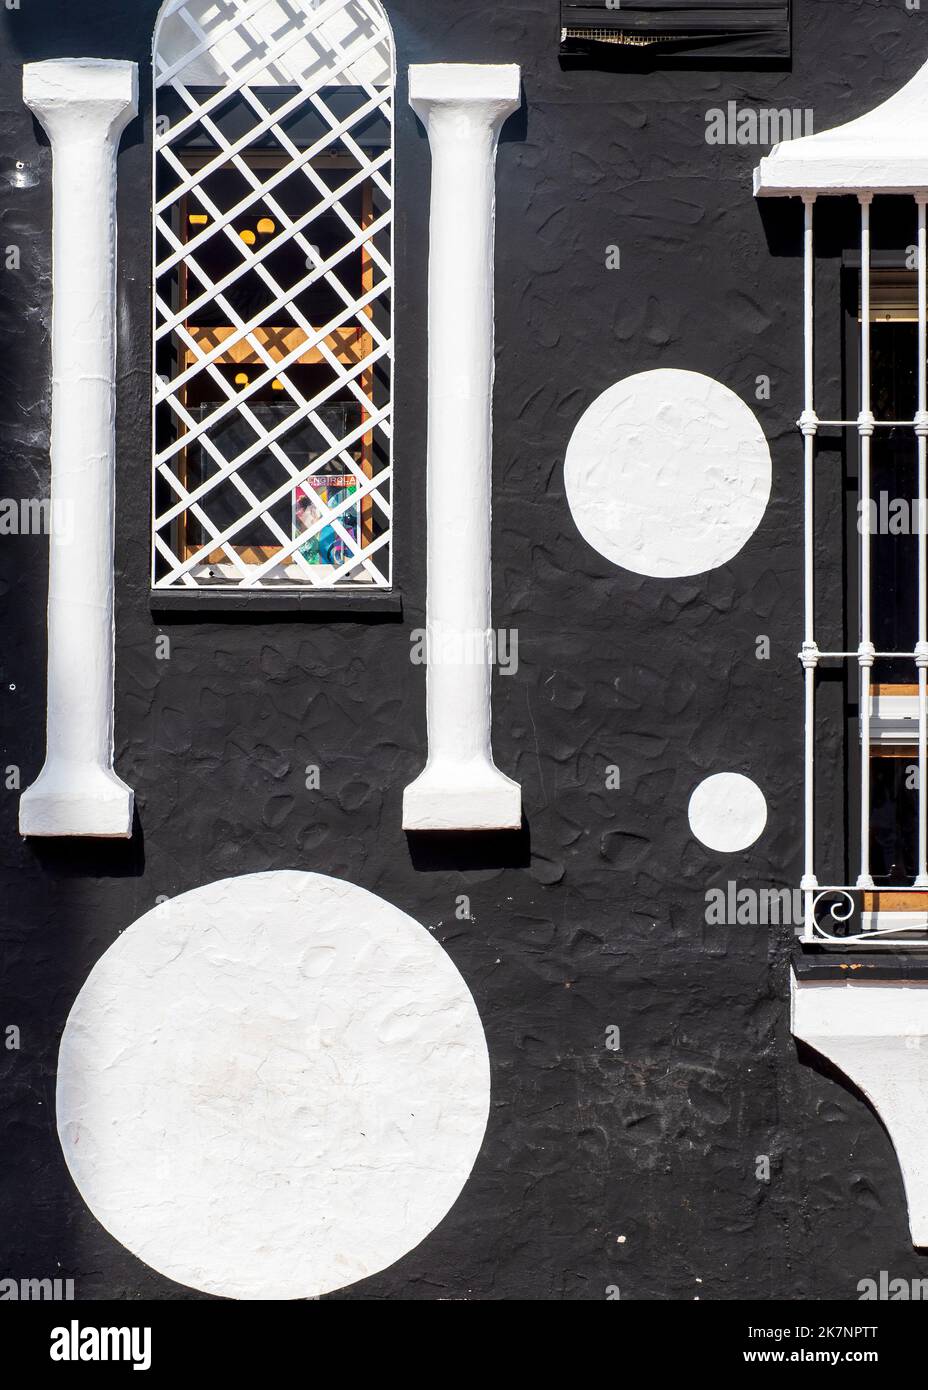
point(84, 105)
point(463, 108)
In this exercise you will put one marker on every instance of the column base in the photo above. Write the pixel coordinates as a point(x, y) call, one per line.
point(77, 800)
point(462, 796)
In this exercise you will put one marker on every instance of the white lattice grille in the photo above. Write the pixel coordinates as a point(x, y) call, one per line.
point(273, 294)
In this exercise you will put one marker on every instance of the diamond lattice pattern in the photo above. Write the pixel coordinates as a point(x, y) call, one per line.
point(273, 294)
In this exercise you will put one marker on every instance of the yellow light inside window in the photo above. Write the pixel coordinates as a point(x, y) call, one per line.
point(248, 237)
point(266, 226)
point(277, 385)
point(198, 219)
point(241, 378)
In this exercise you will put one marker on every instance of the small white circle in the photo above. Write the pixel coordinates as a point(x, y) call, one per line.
point(273, 1086)
point(668, 474)
point(728, 812)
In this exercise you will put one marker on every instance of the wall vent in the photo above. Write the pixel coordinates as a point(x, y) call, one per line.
point(677, 29)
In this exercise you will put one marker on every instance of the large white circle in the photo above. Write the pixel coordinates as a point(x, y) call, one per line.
point(728, 812)
point(668, 473)
point(273, 1086)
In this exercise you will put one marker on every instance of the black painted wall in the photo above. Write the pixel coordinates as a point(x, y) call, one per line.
point(634, 1168)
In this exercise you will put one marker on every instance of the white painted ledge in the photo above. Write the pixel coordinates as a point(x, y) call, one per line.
point(883, 151)
point(877, 1034)
point(84, 104)
point(462, 107)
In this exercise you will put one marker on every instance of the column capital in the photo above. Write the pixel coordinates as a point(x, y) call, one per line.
point(492, 91)
point(67, 92)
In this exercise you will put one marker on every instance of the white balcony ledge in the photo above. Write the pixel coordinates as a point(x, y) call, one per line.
point(883, 151)
point(877, 1035)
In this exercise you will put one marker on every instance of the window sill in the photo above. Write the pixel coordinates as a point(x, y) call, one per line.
point(348, 605)
point(856, 967)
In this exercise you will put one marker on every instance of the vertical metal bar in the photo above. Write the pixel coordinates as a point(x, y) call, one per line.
point(808, 423)
point(866, 651)
point(921, 646)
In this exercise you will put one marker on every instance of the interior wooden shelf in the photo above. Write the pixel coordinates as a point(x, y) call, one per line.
point(895, 900)
point(349, 345)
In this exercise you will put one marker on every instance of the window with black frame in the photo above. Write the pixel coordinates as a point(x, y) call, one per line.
point(273, 297)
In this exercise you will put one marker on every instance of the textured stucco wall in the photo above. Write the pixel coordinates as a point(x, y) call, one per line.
point(633, 1168)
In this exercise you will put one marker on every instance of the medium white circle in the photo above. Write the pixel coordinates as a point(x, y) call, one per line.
point(668, 473)
point(273, 1086)
point(728, 812)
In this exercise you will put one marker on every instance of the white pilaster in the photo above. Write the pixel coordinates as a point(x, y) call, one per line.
point(84, 104)
point(462, 107)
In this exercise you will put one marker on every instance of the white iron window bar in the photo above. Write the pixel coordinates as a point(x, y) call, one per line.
point(273, 242)
point(866, 912)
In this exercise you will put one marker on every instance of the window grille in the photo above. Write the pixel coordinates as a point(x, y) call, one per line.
point(886, 903)
point(273, 177)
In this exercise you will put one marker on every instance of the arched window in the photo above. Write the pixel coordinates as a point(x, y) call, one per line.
point(273, 187)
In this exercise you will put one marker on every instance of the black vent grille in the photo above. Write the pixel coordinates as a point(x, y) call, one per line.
point(723, 29)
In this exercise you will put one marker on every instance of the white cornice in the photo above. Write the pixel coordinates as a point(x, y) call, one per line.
point(883, 151)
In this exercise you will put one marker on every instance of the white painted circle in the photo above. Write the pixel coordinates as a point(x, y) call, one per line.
point(728, 812)
point(273, 1086)
point(668, 473)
